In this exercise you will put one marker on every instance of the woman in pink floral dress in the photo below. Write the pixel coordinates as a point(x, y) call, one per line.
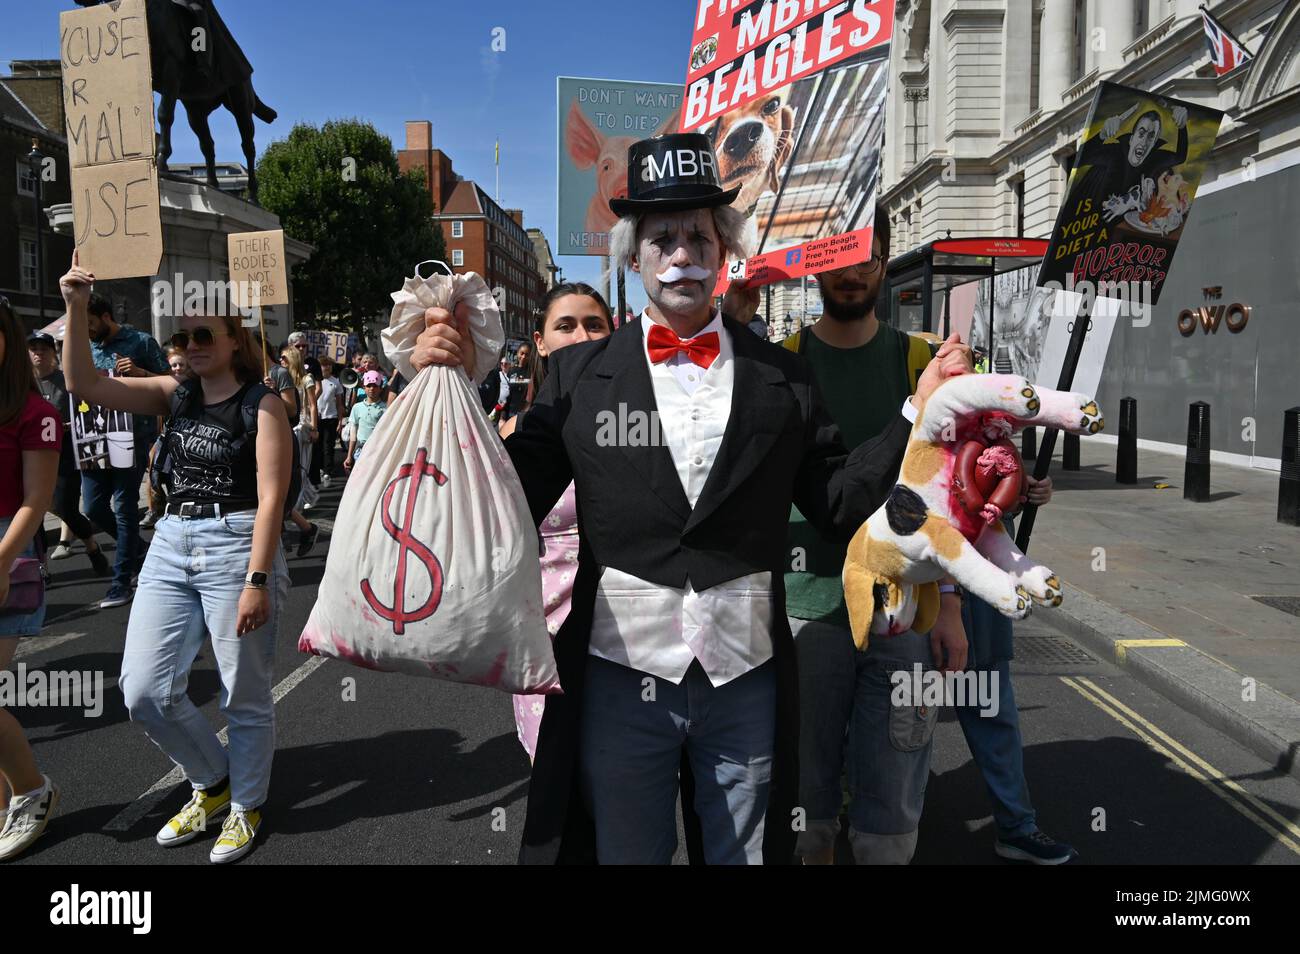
point(572, 312)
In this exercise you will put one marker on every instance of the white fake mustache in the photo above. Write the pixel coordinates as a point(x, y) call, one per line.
point(690, 272)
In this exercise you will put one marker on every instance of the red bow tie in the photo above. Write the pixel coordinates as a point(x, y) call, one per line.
point(663, 343)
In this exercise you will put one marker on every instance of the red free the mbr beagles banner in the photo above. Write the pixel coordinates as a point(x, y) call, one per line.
point(744, 49)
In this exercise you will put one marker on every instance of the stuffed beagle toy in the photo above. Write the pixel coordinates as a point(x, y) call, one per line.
point(961, 474)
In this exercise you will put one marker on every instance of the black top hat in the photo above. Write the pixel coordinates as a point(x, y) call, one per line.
point(671, 173)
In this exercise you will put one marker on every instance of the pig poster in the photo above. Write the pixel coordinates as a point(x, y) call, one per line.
point(598, 120)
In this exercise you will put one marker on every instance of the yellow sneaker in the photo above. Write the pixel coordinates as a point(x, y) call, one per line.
point(237, 836)
point(193, 819)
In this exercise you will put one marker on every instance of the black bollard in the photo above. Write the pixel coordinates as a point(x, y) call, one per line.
point(1070, 452)
point(1126, 463)
point(1196, 472)
point(1288, 484)
point(1029, 443)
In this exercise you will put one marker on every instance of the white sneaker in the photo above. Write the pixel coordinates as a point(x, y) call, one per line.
point(27, 818)
point(61, 552)
point(326, 480)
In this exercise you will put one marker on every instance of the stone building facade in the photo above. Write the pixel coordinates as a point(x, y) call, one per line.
point(987, 104)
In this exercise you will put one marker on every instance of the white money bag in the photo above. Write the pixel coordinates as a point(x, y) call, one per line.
point(433, 564)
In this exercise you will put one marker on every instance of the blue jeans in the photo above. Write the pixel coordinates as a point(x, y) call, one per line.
point(634, 727)
point(190, 588)
point(112, 501)
point(844, 690)
point(995, 742)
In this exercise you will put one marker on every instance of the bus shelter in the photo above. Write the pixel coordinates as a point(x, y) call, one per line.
point(918, 283)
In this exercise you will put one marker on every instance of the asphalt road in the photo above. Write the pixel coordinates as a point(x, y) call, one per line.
point(393, 769)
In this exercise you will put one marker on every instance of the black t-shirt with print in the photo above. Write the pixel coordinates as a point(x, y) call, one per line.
point(210, 462)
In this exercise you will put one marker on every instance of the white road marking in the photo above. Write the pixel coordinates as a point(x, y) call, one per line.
point(31, 645)
point(132, 813)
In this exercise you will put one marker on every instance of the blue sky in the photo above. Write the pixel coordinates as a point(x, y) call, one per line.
point(387, 61)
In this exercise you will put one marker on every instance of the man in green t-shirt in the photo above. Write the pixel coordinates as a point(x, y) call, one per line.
point(862, 369)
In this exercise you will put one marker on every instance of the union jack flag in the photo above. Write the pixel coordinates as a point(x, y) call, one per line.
point(1225, 52)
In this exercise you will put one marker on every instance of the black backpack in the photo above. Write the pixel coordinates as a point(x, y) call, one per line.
point(187, 402)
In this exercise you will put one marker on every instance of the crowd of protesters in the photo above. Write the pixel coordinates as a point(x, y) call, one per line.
point(212, 411)
point(763, 703)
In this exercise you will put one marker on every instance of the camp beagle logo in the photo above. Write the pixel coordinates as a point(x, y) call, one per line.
point(1210, 316)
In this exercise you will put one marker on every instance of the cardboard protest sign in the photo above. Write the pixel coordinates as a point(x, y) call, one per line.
point(809, 177)
point(331, 343)
point(108, 101)
point(257, 270)
point(743, 51)
point(101, 438)
point(1130, 194)
point(599, 120)
point(118, 231)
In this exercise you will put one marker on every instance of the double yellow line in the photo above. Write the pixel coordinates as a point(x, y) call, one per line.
point(1278, 828)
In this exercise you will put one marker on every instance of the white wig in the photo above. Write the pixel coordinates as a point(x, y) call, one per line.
point(736, 230)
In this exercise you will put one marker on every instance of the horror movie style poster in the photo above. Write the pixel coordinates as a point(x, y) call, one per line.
point(1130, 192)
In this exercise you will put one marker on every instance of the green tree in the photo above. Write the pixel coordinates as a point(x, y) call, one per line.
point(339, 188)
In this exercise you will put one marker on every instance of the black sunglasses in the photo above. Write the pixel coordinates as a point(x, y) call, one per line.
point(202, 337)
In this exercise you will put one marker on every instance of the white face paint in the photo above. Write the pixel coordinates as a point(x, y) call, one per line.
point(680, 245)
point(690, 273)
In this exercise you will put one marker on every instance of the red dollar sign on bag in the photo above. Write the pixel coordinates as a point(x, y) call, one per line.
point(397, 614)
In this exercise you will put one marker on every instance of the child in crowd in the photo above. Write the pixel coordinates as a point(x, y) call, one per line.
point(365, 415)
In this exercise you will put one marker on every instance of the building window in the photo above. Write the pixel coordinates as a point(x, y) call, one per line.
point(1141, 22)
point(26, 181)
point(457, 229)
point(457, 257)
point(1019, 188)
point(27, 264)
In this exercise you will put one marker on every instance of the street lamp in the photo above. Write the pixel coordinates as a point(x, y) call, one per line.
point(34, 160)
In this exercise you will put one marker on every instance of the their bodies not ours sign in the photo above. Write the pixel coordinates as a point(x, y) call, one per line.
point(108, 102)
point(257, 271)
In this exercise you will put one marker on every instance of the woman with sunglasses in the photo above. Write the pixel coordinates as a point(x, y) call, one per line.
point(31, 436)
point(215, 564)
point(571, 313)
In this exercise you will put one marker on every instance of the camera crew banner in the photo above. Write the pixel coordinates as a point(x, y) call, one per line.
point(1130, 195)
point(599, 120)
point(108, 103)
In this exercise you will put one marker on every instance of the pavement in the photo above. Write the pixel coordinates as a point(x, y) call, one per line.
point(1199, 600)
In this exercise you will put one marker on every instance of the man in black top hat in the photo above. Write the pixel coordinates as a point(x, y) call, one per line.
point(688, 439)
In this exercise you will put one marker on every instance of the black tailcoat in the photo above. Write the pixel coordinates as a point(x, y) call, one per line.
point(780, 447)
